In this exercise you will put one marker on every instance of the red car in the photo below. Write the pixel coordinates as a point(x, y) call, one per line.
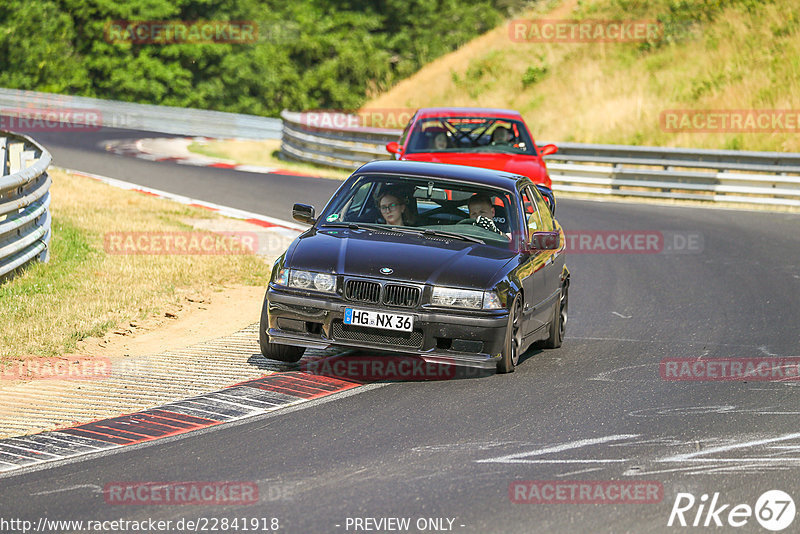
point(490, 138)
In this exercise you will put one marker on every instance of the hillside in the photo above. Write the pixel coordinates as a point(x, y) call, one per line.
point(734, 55)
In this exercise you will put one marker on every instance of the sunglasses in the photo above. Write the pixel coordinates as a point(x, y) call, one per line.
point(390, 207)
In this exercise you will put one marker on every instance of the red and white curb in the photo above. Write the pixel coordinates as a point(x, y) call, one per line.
point(285, 228)
point(176, 150)
point(241, 401)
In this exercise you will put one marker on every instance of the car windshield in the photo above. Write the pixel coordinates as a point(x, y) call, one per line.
point(430, 206)
point(470, 134)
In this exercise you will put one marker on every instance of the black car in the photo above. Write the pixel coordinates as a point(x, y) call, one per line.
point(453, 288)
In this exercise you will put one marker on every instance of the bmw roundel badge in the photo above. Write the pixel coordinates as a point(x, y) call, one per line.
point(386, 270)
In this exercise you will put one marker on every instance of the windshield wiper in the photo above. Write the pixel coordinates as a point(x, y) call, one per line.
point(403, 229)
point(441, 233)
point(454, 235)
point(353, 225)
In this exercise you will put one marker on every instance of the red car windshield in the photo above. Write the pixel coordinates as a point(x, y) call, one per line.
point(470, 134)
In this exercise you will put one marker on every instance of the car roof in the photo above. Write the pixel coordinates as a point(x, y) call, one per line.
point(463, 173)
point(424, 113)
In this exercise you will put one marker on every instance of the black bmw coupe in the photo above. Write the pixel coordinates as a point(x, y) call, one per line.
point(456, 264)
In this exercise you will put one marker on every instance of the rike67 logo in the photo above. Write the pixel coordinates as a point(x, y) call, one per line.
point(774, 510)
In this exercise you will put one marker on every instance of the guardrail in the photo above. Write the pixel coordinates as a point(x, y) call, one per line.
point(25, 107)
point(614, 170)
point(24, 199)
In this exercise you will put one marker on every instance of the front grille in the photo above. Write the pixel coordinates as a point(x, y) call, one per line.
point(370, 292)
point(371, 335)
point(396, 295)
point(363, 291)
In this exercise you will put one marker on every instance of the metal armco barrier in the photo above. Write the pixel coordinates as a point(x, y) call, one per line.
point(24, 199)
point(22, 109)
point(614, 170)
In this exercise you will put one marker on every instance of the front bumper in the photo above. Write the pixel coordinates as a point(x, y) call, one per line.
point(446, 337)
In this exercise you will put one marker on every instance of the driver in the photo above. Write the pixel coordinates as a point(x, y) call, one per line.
point(501, 136)
point(481, 209)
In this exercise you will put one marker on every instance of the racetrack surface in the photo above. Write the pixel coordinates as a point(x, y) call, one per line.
point(596, 409)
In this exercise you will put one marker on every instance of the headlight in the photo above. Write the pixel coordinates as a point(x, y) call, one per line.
point(306, 280)
point(314, 281)
point(324, 282)
point(465, 298)
point(457, 298)
point(300, 279)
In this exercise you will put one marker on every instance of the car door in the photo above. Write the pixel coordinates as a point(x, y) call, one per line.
point(532, 271)
point(553, 259)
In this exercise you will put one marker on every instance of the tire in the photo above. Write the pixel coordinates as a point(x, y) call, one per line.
point(275, 351)
point(558, 326)
point(510, 358)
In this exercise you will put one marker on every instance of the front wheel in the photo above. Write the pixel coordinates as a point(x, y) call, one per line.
point(510, 358)
point(275, 351)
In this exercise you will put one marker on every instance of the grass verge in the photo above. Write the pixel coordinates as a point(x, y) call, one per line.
point(85, 292)
point(732, 55)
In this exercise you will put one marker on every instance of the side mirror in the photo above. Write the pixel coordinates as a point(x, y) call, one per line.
point(303, 213)
point(394, 148)
point(545, 241)
point(549, 197)
point(546, 150)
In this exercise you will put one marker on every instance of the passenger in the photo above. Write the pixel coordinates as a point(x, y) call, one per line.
point(394, 209)
point(440, 141)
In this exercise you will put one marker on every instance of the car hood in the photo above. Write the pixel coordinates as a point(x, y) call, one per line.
point(524, 164)
point(411, 257)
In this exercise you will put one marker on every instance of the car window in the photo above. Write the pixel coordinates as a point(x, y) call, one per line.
point(404, 135)
point(429, 203)
point(355, 208)
point(544, 211)
point(470, 134)
point(532, 219)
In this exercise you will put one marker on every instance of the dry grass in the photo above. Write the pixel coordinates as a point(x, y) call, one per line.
point(613, 93)
point(263, 153)
point(85, 292)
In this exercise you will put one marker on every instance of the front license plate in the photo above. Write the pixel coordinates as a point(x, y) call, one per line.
point(377, 319)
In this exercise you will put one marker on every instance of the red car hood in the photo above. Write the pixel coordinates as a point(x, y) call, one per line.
point(514, 163)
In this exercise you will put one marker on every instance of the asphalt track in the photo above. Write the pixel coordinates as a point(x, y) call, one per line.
point(596, 409)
